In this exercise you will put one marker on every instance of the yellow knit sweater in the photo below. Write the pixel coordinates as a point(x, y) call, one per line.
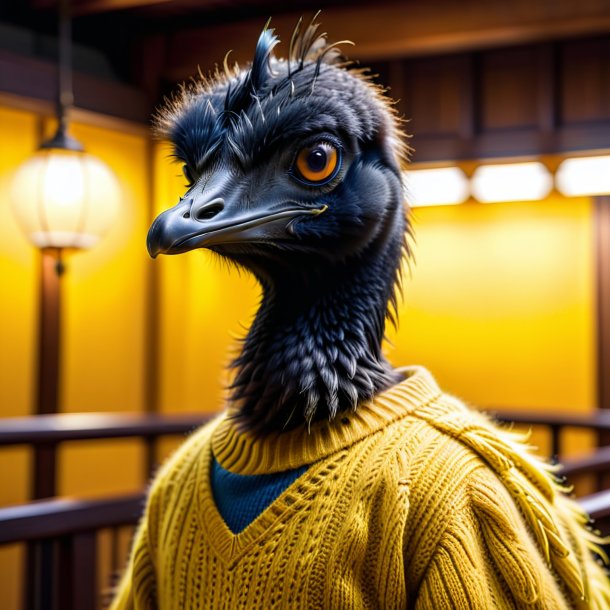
point(413, 501)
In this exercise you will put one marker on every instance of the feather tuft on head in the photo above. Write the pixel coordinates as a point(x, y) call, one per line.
point(233, 90)
point(261, 70)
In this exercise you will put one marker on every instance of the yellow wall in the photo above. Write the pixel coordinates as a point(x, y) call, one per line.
point(17, 269)
point(17, 310)
point(500, 303)
point(105, 289)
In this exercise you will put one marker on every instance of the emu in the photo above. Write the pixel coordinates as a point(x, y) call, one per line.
point(332, 480)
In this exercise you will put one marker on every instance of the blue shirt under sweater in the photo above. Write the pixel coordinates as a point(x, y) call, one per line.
point(241, 498)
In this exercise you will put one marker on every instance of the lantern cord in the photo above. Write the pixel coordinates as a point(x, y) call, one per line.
point(65, 99)
point(65, 94)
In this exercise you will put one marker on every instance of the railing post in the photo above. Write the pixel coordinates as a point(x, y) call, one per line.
point(44, 483)
point(38, 589)
point(49, 350)
point(555, 441)
point(602, 260)
point(150, 464)
point(77, 580)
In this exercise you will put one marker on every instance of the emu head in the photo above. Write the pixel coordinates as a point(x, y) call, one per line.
point(291, 164)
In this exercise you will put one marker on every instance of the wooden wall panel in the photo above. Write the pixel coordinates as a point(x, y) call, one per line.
point(546, 98)
point(585, 86)
point(508, 97)
point(436, 102)
point(36, 79)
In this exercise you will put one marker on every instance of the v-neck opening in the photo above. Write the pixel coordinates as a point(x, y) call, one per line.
point(241, 498)
point(231, 546)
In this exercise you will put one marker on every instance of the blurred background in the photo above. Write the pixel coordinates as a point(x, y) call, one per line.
point(507, 301)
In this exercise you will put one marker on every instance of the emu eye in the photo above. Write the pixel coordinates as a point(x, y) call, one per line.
point(317, 164)
point(188, 174)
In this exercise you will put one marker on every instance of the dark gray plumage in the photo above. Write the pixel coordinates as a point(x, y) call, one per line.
point(295, 174)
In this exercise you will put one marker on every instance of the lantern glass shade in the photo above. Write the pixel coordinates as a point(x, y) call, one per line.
point(64, 198)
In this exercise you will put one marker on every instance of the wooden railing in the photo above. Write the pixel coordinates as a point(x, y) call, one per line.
point(62, 536)
point(46, 432)
point(599, 421)
point(62, 533)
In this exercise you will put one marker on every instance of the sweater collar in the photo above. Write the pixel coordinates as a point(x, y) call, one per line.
point(246, 453)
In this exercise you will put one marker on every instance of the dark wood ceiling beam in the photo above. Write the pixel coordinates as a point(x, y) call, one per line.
point(387, 31)
point(36, 80)
point(81, 8)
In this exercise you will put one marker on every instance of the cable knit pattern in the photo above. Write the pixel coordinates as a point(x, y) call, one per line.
point(412, 501)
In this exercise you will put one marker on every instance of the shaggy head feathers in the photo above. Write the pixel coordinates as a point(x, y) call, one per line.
point(252, 108)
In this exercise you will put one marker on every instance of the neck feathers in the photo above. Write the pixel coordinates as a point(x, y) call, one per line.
point(314, 349)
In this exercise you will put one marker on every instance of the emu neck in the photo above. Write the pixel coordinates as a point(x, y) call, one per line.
point(314, 348)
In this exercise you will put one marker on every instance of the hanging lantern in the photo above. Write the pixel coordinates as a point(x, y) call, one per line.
point(65, 198)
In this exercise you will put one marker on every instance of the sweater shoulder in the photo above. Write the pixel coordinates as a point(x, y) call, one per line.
point(180, 468)
point(449, 441)
point(472, 436)
point(467, 467)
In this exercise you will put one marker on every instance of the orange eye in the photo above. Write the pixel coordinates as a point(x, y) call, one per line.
point(317, 163)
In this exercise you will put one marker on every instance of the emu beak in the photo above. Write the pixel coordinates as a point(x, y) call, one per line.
point(190, 225)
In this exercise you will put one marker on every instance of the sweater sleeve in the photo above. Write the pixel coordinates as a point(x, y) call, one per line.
point(487, 557)
point(139, 586)
point(489, 526)
point(136, 590)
